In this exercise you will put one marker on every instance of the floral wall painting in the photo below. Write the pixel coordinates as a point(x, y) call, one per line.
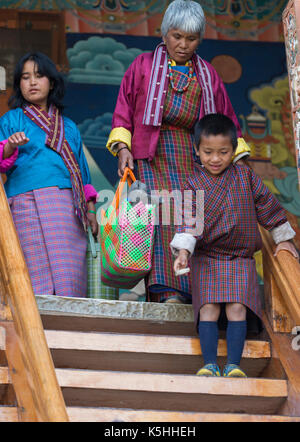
point(268, 130)
point(226, 19)
point(256, 20)
point(291, 27)
point(244, 19)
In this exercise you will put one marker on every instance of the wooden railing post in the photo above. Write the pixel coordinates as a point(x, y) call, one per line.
point(282, 314)
point(15, 361)
point(281, 286)
point(37, 360)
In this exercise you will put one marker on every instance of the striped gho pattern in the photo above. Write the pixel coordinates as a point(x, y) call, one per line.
point(52, 124)
point(223, 267)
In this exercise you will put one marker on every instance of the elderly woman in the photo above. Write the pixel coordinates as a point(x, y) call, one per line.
point(161, 97)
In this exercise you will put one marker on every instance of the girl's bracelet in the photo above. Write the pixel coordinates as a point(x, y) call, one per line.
point(92, 211)
point(124, 147)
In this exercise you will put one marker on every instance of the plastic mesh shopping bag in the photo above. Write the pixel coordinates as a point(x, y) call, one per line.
point(95, 287)
point(126, 239)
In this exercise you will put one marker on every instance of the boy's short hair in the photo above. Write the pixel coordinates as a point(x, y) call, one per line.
point(215, 124)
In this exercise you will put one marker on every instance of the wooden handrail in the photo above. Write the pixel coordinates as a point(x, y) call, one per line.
point(282, 286)
point(282, 314)
point(46, 392)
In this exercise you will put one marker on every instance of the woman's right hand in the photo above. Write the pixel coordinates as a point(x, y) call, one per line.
point(125, 160)
point(15, 140)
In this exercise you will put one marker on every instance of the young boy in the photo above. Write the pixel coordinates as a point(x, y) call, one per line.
point(222, 264)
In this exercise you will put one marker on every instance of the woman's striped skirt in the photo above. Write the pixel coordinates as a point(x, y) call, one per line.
point(53, 241)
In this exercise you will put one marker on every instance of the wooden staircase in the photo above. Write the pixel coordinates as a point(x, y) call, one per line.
point(137, 363)
point(109, 371)
point(136, 376)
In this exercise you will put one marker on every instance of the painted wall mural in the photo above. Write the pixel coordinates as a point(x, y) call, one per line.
point(99, 61)
point(269, 134)
point(291, 22)
point(244, 19)
point(226, 19)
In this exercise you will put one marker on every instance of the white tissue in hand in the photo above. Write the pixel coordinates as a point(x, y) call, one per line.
point(182, 271)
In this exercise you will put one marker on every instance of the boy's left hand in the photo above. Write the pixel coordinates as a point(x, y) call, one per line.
point(181, 261)
point(288, 246)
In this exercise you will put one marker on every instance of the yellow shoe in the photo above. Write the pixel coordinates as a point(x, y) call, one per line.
point(209, 370)
point(233, 371)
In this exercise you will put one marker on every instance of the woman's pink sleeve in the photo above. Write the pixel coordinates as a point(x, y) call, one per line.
point(7, 163)
point(90, 193)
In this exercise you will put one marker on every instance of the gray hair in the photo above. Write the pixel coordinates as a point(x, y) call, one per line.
point(186, 15)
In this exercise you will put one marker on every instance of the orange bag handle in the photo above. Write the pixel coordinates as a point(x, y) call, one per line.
point(128, 177)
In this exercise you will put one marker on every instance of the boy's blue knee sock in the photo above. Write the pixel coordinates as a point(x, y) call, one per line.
point(209, 335)
point(235, 336)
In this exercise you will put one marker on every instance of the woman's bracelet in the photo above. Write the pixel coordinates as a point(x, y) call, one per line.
point(124, 147)
point(92, 211)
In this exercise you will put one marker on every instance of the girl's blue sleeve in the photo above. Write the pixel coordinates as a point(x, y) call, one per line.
point(9, 124)
point(84, 168)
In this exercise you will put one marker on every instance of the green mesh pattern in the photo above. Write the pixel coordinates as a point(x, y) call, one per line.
point(126, 243)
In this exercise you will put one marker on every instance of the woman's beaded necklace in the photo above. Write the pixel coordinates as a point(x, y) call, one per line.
point(190, 76)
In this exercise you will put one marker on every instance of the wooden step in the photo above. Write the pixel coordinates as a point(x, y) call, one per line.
point(7, 394)
point(171, 392)
point(3, 360)
point(92, 414)
point(150, 353)
point(8, 414)
point(101, 315)
point(2, 339)
point(4, 376)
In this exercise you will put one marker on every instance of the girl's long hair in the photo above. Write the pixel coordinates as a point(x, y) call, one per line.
point(45, 67)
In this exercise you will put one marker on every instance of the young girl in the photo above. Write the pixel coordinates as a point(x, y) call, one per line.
point(222, 264)
point(48, 180)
